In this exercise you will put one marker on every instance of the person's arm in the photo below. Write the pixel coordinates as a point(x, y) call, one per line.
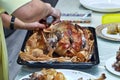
point(11, 5)
point(31, 12)
point(36, 10)
point(18, 24)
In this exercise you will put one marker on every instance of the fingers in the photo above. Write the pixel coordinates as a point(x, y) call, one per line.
point(34, 26)
point(38, 25)
point(56, 15)
point(41, 24)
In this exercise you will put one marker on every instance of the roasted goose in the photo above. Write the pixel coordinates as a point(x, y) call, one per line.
point(63, 41)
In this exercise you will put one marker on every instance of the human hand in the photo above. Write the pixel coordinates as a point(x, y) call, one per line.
point(35, 11)
point(33, 26)
point(18, 24)
point(56, 15)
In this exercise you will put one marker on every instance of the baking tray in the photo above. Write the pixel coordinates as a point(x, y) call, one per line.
point(67, 65)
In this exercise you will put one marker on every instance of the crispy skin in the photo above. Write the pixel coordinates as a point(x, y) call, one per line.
point(48, 74)
point(64, 39)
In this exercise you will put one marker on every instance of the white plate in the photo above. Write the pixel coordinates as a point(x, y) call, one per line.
point(101, 31)
point(109, 67)
point(71, 74)
point(102, 5)
point(104, 32)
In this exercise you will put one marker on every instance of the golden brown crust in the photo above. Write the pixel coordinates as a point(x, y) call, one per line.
point(64, 39)
point(113, 28)
point(48, 74)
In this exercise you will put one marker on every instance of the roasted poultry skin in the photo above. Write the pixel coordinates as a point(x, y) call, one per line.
point(62, 41)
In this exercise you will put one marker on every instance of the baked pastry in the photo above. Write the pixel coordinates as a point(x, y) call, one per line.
point(113, 29)
point(116, 65)
point(119, 28)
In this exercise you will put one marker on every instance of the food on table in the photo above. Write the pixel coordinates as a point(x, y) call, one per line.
point(102, 77)
point(53, 74)
point(113, 29)
point(119, 28)
point(60, 42)
point(116, 65)
point(47, 74)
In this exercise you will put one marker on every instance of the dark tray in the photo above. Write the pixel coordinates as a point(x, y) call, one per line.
point(67, 65)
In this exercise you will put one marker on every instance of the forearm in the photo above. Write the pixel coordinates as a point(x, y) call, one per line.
point(6, 21)
point(33, 11)
point(29, 15)
point(11, 5)
point(18, 24)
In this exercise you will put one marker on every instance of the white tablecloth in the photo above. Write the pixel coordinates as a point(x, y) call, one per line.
point(107, 49)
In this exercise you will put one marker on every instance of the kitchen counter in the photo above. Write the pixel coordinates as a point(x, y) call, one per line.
point(107, 49)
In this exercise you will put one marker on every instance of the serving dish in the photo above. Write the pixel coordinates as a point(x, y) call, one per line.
point(101, 32)
point(101, 5)
point(92, 58)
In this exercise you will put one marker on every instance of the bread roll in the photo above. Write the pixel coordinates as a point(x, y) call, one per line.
point(119, 28)
point(112, 29)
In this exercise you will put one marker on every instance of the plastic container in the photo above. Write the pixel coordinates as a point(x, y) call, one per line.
point(3, 55)
point(111, 18)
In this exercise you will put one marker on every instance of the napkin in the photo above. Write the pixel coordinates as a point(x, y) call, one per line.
point(111, 18)
point(77, 17)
